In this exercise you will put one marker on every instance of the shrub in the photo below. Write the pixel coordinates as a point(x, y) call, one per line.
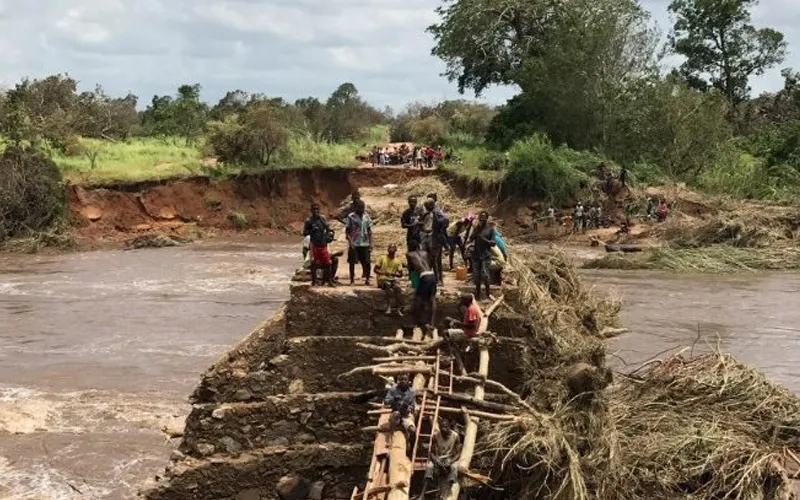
point(31, 192)
point(238, 220)
point(493, 162)
point(542, 172)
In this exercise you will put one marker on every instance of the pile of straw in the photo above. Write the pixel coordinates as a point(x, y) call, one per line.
point(746, 227)
point(709, 427)
point(701, 428)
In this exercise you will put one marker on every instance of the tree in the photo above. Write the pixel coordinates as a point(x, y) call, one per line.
point(266, 131)
point(314, 116)
point(347, 115)
point(483, 42)
point(252, 138)
point(576, 85)
point(189, 113)
point(722, 49)
point(98, 115)
point(183, 116)
point(233, 102)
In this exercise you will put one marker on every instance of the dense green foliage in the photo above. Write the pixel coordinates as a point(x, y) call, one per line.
point(31, 192)
point(722, 49)
point(590, 80)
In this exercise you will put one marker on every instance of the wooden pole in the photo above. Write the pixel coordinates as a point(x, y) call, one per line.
point(471, 430)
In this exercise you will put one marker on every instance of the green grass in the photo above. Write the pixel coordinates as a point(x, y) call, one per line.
point(307, 153)
point(130, 161)
point(144, 159)
point(468, 170)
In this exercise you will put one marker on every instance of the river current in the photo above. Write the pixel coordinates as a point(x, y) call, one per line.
point(99, 350)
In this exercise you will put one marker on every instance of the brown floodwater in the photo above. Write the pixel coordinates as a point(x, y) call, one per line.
point(754, 316)
point(99, 350)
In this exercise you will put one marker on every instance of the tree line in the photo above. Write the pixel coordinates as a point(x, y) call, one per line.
point(50, 114)
point(590, 77)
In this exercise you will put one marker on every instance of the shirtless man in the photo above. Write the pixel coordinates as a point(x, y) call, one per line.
point(419, 262)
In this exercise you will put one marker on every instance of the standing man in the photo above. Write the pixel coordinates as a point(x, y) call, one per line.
point(444, 458)
point(623, 177)
point(437, 238)
point(425, 294)
point(484, 238)
point(317, 228)
point(402, 398)
point(341, 216)
point(388, 269)
point(359, 236)
point(411, 220)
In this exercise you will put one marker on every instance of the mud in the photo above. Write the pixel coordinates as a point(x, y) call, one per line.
point(274, 202)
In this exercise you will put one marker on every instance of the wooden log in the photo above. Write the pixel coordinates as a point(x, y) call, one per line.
point(471, 429)
point(446, 409)
point(496, 385)
point(404, 358)
point(471, 400)
point(388, 369)
point(399, 467)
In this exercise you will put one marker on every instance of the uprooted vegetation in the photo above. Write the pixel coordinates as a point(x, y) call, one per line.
point(725, 238)
point(703, 428)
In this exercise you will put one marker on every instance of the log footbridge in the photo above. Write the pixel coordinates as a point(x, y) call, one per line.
point(436, 365)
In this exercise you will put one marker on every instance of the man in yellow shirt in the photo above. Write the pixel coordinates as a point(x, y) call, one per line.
point(388, 268)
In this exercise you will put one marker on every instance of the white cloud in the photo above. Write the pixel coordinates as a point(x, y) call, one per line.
point(289, 48)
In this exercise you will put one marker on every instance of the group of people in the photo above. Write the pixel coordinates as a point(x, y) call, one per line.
point(419, 156)
point(429, 233)
point(587, 218)
point(657, 210)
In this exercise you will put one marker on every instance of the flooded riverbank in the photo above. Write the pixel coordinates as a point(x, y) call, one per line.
point(99, 350)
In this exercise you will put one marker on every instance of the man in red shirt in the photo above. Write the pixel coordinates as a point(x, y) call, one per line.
point(468, 327)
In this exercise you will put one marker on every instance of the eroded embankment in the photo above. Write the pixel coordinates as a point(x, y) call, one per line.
point(275, 404)
point(274, 201)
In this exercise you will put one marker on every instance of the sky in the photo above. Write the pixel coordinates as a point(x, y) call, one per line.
point(287, 48)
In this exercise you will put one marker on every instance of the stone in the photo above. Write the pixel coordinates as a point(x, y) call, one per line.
point(176, 456)
point(92, 212)
point(174, 428)
point(281, 441)
point(242, 395)
point(305, 417)
point(219, 413)
point(317, 489)
point(296, 386)
point(205, 449)
point(230, 445)
point(305, 438)
point(279, 360)
point(251, 494)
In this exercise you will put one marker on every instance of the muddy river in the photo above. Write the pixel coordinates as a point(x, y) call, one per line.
point(99, 350)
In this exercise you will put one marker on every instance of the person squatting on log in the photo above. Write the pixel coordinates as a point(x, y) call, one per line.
point(425, 293)
point(402, 398)
point(484, 238)
point(443, 462)
point(468, 327)
point(359, 237)
point(411, 220)
point(434, 232)
point(320, 233)
point(388, 268)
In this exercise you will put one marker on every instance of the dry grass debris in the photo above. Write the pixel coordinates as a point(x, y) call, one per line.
point(700, 428)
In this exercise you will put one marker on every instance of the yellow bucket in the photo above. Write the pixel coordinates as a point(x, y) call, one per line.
point(461, 273)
